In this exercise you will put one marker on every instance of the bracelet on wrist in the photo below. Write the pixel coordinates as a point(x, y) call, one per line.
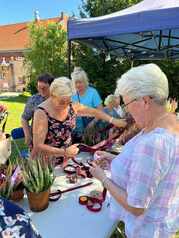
point(104, 181)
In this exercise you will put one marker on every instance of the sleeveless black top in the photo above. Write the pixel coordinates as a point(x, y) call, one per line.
point(60, 132)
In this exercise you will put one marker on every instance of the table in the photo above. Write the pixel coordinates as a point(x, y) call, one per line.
point(66, 218)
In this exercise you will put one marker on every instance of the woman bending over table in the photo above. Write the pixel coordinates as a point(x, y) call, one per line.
point(144, 182)
point(55, 119)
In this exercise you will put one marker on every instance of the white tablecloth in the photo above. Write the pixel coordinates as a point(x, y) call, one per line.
point(66, 218)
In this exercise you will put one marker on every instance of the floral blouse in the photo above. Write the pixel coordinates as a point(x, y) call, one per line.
point(60, 132)
point(14, 222)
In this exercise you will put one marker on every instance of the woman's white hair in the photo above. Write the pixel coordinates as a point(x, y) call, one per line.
point(144, 80)
point(61, 86)
point(79, 74)
point(109, 99)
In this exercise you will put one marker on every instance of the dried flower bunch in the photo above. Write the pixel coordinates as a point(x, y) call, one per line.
point(10, 179)
point(171, 105)
point(3, 112)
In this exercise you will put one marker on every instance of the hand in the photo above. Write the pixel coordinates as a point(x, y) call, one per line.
point(103, 155)
point(72, 150)
point(28, 140)
point(103, 159)
point(97, 172)
point(120, 123)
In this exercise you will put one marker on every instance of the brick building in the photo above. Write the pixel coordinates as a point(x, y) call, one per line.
point(13, 43)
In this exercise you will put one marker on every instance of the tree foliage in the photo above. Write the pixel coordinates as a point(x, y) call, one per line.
point(47, 51)
point(104, 74)
point(94, 8)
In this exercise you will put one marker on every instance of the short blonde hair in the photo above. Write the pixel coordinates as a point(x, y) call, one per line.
point(79, 74)
point(61, 86)
point(109, 99)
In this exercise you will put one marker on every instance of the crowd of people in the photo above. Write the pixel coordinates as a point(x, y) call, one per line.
point(144, 178)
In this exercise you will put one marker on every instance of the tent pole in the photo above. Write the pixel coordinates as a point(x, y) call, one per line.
point(69, 58)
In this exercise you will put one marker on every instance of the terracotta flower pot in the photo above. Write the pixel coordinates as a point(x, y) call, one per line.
point(38, 201)
point(17, 195)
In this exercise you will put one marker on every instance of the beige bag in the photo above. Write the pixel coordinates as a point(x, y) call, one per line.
point(5, 147)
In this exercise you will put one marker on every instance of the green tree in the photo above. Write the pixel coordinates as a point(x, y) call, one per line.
point(94, 8)
point(101, 74)
point(47, 51)
point(104, 74)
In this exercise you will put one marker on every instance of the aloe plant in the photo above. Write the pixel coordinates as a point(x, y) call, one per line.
point(37, 174)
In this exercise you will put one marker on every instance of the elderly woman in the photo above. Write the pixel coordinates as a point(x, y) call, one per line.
point(144, 182)
point(56, 118)
point(98, 130)
point(85, 95)
point(43, 85)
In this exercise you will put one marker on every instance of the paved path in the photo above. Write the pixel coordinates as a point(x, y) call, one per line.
point(4, 95)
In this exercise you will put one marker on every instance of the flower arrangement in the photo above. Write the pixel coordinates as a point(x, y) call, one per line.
point(3, 112)
point(172, 105)
point(10, 179)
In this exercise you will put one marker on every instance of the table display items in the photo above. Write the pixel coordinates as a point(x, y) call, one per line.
point(38, 177)
point(56, 195)
point(94, 200)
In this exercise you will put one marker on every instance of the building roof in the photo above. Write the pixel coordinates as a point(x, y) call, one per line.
point(15, 37)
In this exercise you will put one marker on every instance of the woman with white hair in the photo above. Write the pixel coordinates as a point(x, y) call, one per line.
point(98, 130)
point(55, 119)
point(85, 95)
point(144, 182)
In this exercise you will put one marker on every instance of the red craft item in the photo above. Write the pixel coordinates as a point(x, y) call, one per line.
point(93, 204)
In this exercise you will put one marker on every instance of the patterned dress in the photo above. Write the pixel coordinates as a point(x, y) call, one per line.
point(14, 222)
point(60, 132)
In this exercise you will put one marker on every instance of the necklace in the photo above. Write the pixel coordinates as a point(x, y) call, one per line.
point(155, 122)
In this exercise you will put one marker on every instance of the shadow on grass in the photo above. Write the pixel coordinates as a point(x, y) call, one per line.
point(18, 99)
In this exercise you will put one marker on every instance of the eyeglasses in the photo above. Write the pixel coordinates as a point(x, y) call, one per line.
point(127, 104)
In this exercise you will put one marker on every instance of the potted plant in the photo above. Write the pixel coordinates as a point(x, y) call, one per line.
point(37, 177)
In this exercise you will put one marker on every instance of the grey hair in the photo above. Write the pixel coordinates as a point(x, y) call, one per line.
point(144, 80)
point(61, 86)
point(110, 98)
point(79, 74)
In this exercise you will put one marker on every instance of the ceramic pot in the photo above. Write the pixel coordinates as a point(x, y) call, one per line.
point(38, 201)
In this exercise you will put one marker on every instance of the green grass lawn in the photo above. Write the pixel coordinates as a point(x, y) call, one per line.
point(15, 107)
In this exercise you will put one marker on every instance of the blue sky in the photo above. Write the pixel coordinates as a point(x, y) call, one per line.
point(23, 10)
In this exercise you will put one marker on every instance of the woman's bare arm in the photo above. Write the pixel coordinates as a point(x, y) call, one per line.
point(82, 110)
point(40, 129)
